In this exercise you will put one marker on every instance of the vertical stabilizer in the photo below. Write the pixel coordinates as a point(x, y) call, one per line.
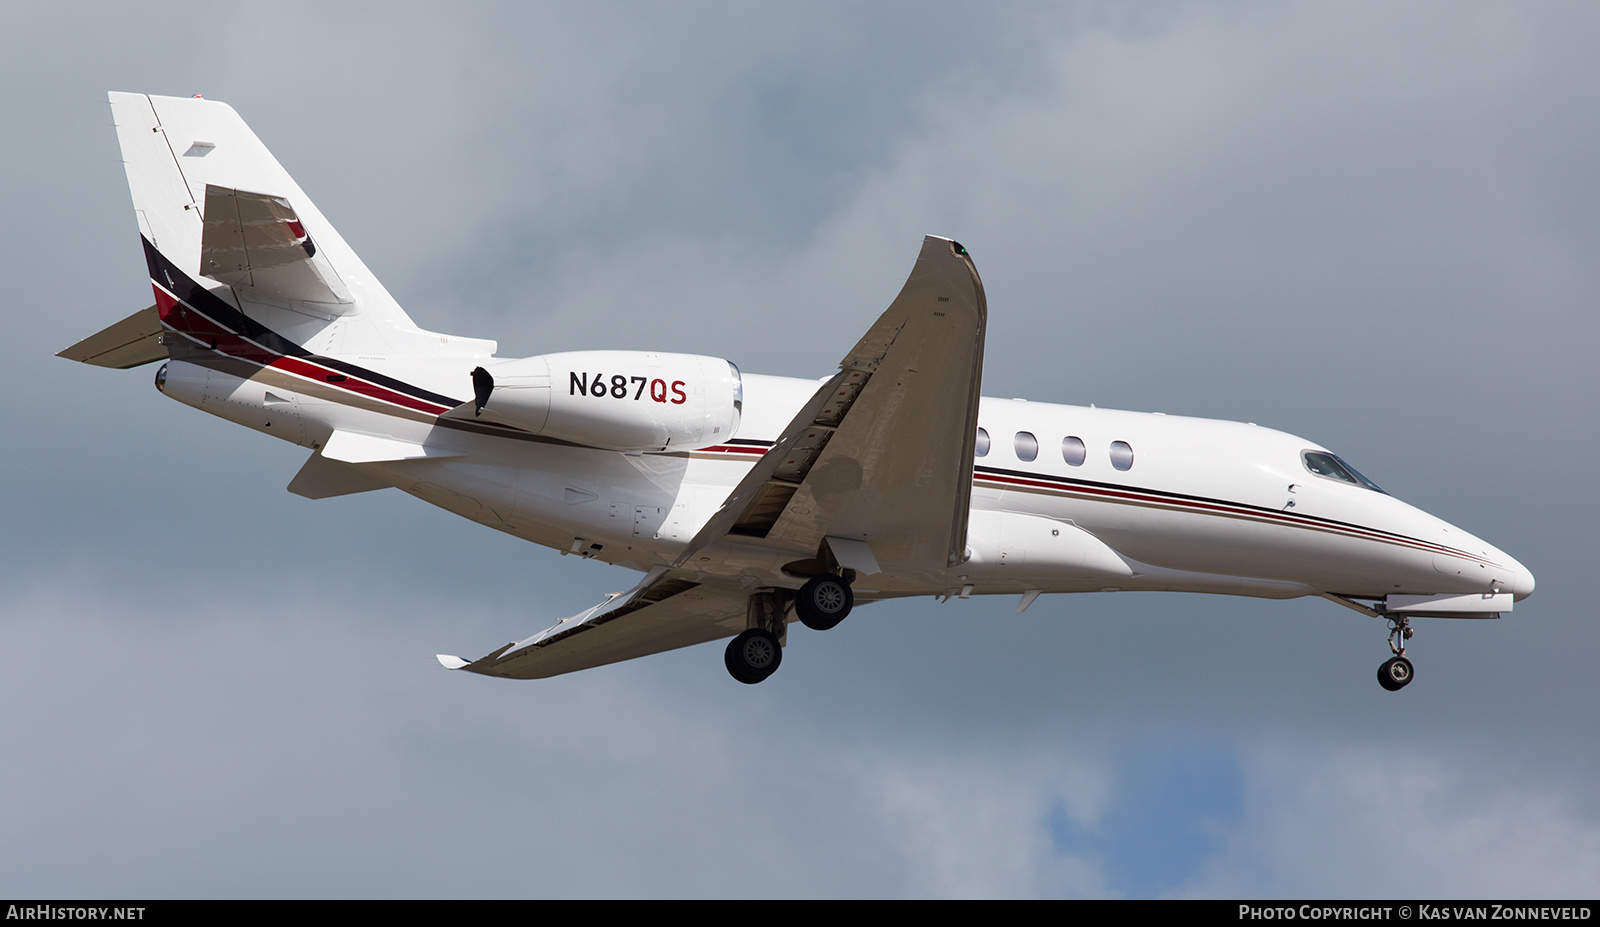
point(214, 204)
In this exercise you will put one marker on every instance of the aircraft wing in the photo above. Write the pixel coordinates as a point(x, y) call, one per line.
point(658, 614)
point(882, 454)
point(877, 467)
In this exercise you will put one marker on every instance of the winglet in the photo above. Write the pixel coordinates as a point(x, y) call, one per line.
point(450, 662)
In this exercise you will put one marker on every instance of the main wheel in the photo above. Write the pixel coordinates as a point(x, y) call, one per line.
point(1395, 673)
point(753, 656)
point(823, 602)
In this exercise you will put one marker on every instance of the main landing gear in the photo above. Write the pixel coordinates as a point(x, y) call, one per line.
point(820, 604)
point(823, 602)
point(1396, 672)
point(753, 656)
point(756, 652)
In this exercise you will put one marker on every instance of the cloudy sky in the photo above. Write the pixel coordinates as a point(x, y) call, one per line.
point(1374, 225)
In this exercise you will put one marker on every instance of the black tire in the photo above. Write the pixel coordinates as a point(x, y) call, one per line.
point(753, 656)
point(823, 602)
point(1395, 674)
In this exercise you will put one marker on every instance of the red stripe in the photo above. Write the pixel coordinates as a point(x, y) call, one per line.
point(181, 317)
point(371, 390)
point(1296, 521)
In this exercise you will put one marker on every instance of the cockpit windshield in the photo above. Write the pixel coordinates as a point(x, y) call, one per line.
point(1332, 466)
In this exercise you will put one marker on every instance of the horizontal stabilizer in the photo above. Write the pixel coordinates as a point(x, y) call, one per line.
point(131, 342)
point(257, 240)
point(321, 478)
point(353, 448)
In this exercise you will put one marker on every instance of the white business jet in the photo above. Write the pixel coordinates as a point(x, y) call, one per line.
point(745, 501)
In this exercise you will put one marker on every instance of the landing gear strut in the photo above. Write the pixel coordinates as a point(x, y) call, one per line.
point(1396, 672)
point(820, 604)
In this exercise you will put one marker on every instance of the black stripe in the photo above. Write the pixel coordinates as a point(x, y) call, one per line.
point(1067, 481)
point(506, 431)
point(190, 291)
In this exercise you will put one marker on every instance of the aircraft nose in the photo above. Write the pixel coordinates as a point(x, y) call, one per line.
point(1511, 575)
point(1521, 582)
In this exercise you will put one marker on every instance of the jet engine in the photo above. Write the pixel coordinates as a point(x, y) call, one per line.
point(619, 400)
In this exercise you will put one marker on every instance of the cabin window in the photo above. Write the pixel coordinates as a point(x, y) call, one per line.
point(1121, 455)
point(1027, 446)
point(983, 443)
point(1334, 468)
point(1073, 451)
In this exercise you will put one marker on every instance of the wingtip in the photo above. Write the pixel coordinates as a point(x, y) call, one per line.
point(451, 662)
point(941, 242)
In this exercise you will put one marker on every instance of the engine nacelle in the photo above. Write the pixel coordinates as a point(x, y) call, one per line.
point(619, 400)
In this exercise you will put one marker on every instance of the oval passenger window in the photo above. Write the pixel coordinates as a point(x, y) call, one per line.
point(1073, 451)
point(983, 443)
point(1027, 446)
point(1121, 455)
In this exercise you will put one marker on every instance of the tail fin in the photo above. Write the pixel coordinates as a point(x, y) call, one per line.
point(219, 214)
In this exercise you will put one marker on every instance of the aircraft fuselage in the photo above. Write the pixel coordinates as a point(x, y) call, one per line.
point(1202, 506)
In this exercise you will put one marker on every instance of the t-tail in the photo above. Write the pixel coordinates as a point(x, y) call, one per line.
point(245, 269)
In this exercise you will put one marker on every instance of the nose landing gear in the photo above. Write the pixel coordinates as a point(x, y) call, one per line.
point(1396, 672)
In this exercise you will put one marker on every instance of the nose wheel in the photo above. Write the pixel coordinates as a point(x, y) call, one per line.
point(1396, 672)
